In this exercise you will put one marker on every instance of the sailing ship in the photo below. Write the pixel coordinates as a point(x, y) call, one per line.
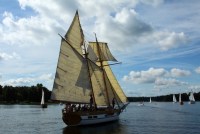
point(180, 101)
point(43, 104)
point(84, 80)
point(174, 98)
point(191, 98)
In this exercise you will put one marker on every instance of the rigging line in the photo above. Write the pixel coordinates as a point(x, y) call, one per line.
point(113, 64)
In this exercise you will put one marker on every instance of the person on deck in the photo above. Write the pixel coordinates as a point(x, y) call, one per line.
point(91, 101)
point(113, 102)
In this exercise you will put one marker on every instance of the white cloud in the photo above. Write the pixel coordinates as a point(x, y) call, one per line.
point(153, 2)
point(158, 76)
point(197, 70)
point(194, 88)
point(168, 82)
point(169, 40)
point(148, 76)
point(126, 30)
point(5, 56)
point(23, 81)
point(179, 73)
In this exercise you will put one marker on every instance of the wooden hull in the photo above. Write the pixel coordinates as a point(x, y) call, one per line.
point(89, 118)
point(44, 105)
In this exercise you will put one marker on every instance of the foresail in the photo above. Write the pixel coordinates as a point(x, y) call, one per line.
point(104, 51)
point(106, 56)
point(71, 82)
point(116, 87)
point(99, 88)
point(75, 34)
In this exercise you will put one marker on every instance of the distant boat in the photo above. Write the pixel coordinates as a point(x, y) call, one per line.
point(180, 101)
point(141, 104)
point(150, 100)
point(191, 98)
point(43, 105)
point(174, 98)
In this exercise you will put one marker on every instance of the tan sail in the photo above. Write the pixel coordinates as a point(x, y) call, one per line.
point(104, 51)
point(75, 34)
point(106, 56)
point(71, 82)
point(99, 88)
point(117, 88)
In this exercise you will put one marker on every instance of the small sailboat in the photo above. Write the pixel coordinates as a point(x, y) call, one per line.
point(141, 103)
point(150, 100)
point(180, 101)
point(85, 81)
point(191, 98)
point(174, 98)
point(43, 104)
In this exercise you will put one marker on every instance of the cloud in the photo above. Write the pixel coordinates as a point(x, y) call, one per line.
point(23, 81)
point(148, 76)
point(197, 70)
point(166, 83)
point(5, 56)
point(179, 73)
point(169, 40)
point(126, 30)
point(156, 75)
point(194, 88)
point(152, 2)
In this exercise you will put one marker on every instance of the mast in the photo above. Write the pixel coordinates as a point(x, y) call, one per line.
point(101, 66)
point(86, 57)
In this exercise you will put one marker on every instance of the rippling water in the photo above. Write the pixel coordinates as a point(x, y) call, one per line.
point(158, 118)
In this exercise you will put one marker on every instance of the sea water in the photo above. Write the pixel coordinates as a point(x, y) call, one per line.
point(151, 118)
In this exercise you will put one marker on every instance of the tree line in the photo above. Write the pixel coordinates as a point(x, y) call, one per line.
point(32, 94)
point(23, 94)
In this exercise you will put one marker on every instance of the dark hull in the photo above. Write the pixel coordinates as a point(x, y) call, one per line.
point(181, 103)
point(44, 105)
point(89, 117)
point(191, 102)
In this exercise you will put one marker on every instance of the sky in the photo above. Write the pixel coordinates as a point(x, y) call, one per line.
point(157, 41)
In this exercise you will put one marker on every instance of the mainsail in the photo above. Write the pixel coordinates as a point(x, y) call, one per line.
point(71, 82)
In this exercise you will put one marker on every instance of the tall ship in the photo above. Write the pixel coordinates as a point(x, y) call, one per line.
point(84, 80)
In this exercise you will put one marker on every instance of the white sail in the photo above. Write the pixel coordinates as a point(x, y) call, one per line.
point(150, 100)
point(191, 97)
point(42, 100)
point(180, 98)
point(174, 98)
